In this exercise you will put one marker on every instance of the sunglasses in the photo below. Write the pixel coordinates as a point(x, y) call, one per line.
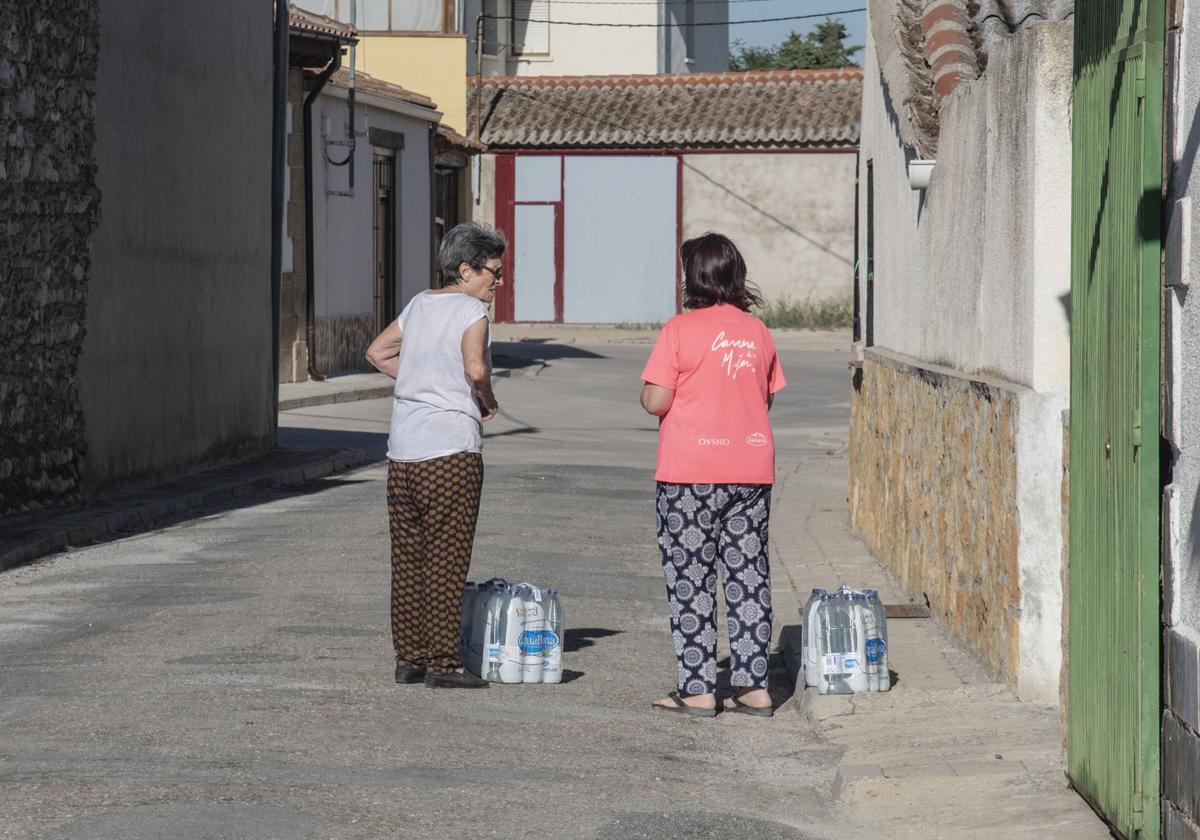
point(498, 273)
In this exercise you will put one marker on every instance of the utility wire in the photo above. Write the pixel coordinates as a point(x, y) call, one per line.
point(671, 25)
point(651, 2)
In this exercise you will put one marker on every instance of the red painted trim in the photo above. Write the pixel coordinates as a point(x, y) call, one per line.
point(668, 152)
point(505, 186)
point(678, 233)
point(560, 213)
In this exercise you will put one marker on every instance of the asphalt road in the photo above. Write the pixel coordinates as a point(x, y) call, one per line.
point(231, 677)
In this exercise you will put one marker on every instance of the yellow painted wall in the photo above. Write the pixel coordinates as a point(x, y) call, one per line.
point(433, 66)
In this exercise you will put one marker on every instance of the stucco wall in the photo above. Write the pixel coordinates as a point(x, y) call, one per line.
point(972, 278)
point(974, 272)
point(48, 206)
point(176, 365)
point(432, 66)
point(343, 227)
point(791, 215)
point(1181, 428)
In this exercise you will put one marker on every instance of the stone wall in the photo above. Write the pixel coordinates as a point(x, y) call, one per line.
point(933, 491)
point(48, 210)
point(342, 342)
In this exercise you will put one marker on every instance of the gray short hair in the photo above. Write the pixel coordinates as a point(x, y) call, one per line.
point(471, 243)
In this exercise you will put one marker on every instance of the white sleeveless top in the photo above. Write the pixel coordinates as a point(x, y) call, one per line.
point(435, 413)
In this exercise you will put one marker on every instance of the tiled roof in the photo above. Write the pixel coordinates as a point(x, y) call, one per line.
point(776, 108)
point(457, 141)
point(369, 84)
point(303, 20)
point(903, 47)
point(997, 19)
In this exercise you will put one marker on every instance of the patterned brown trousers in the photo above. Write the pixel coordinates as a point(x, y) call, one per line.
point(432, 509)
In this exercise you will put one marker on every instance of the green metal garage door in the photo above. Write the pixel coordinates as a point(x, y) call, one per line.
point(1113, 713)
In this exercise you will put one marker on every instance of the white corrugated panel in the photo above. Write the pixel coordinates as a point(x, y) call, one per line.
point(531, 33)
point(538, 178)
point(619, 240)
point(533, 263)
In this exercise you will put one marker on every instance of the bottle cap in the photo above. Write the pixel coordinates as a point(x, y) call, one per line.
point(818, 591)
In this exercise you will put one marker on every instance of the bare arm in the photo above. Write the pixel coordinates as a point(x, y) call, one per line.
point(384, 352)
point(770, 401)
point(476, 367)
point(656, 399)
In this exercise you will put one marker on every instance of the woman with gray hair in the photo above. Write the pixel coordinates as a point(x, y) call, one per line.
point(438, 353)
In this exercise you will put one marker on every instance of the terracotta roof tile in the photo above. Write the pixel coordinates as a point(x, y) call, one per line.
point(457, 141)
point(305, 21)
point(776, 108)
point(370, 84)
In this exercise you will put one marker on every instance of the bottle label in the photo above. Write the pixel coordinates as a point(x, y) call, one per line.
point(876, 649)
point(536, 642)
point(493, 653)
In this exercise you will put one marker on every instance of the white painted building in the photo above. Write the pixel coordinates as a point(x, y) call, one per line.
point(374, 240)
point(545, 38)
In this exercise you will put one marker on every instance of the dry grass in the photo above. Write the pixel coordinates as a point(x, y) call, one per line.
point(828, 314)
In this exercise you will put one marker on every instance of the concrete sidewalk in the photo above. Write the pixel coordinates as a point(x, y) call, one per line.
point(948, 752)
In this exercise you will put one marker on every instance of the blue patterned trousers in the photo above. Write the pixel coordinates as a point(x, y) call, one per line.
point(699, 524)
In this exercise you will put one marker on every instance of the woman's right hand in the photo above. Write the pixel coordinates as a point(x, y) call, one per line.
point(486, 414)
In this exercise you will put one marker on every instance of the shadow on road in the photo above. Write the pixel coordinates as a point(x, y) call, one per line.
point(779, 686)
point(374, 444)
point(522, 354)
point(578, 638)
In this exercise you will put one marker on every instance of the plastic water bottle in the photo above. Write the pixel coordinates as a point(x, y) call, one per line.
point(808, 654)
point(836, 643)
point(477, 639)
point(552, 669)
point(875, 630)
point(855, 665)
point(533, 628)
point(504, 663)
point(470, 591)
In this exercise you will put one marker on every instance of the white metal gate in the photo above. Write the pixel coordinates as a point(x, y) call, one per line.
point(620, 235)
point(594, 238)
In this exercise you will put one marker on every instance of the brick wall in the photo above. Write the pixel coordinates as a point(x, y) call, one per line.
point(48, 210)
point(933, 491)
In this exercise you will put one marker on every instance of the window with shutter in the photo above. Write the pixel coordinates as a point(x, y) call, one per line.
point(530, 37)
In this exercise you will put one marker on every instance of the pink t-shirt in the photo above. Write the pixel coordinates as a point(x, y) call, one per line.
point(721, 363)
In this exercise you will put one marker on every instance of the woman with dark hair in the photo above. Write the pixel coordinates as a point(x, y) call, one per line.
point(710, 379)
point(438, 353)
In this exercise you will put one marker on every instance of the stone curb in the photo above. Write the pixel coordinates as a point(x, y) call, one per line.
point(853, 779)
point(100, 526)
point(335, 397)
point(382, 392)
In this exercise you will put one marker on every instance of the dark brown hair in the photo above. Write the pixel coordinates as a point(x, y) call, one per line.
point(714, 272)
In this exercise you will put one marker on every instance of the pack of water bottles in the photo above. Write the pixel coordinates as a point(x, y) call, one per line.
point(512, 632)
point(844, 642)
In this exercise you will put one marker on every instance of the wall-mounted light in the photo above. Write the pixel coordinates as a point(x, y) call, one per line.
point(919, 173)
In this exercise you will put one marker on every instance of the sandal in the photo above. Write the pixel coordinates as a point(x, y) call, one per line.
point(683, 708)
point(740, 708)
